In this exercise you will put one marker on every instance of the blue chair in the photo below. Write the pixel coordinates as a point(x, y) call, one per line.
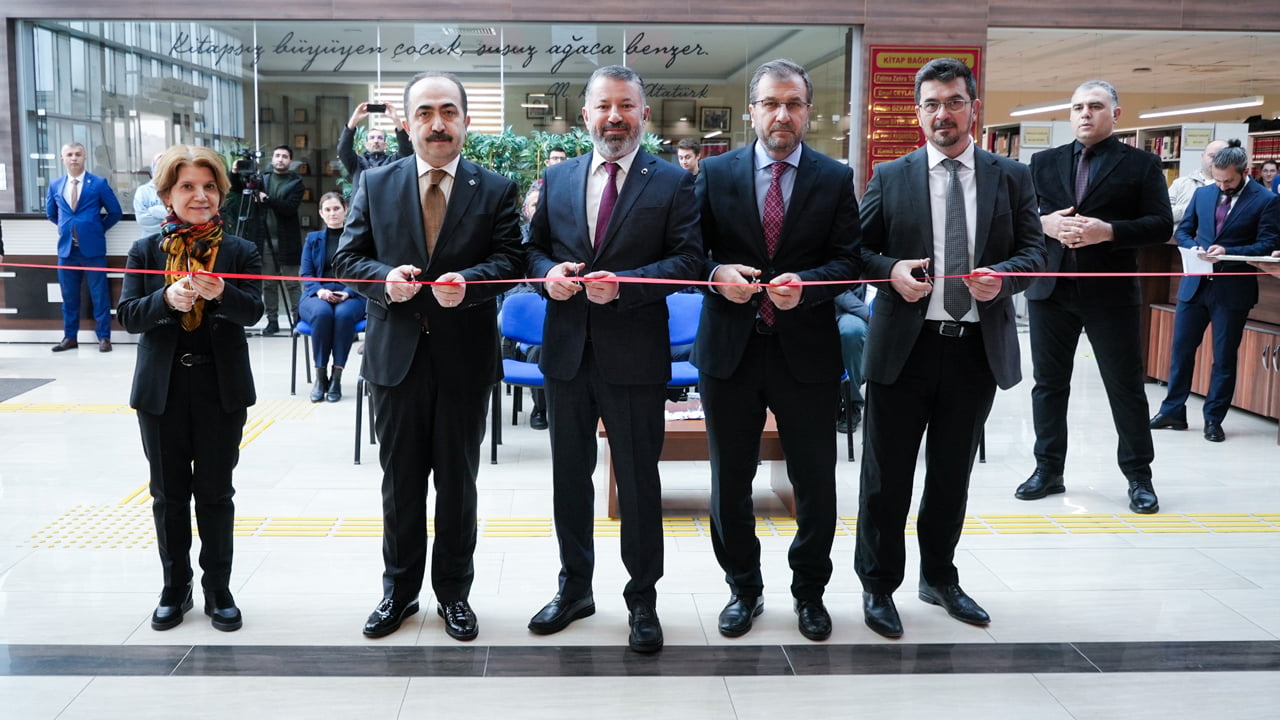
point(523, 315)
point(302, 329)
point(683, 312)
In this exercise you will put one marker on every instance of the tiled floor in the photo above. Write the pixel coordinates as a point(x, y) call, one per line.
point(1097, 613)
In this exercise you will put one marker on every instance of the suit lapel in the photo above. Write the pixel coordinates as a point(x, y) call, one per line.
point(806, 179)
point(409, 208)
point(1066, 161)
point(986, 179)
point(744, 175)
point(465, 186)
point(917, 174)
point(636, 180)
point(578, 203)
point(1099, 169)
point(1246, 199)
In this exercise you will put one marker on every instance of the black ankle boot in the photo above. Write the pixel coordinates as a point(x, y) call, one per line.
point(335, 386)
point(322, 384)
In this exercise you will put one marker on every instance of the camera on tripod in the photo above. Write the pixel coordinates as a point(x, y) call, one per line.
point(245, 176)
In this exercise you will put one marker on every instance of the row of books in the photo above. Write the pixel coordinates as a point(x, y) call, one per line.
point(1266, 147)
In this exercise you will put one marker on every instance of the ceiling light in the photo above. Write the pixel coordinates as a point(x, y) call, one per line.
point(714, 133)
point(1211, 106)
point(1021, 110)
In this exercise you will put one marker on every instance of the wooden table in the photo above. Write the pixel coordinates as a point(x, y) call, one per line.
point(687, 440)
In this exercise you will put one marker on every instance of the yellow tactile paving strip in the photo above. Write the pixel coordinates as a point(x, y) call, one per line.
point(260, 417)
point(128, 524)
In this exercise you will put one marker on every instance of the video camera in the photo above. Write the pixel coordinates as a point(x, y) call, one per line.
point(245, 176)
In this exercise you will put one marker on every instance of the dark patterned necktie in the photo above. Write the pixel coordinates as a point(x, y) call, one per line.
point(1082, 175)
point(774, 212)
point(1220, 212)
point(608, 199)
point(955, 296)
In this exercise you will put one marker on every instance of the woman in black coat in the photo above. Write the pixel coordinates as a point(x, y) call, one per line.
point(192, 382)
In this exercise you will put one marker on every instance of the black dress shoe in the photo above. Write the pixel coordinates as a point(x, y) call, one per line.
point(814, 620)
point(104, 345)
point(557, 614)
point(272, 329)
point(221, 608)
point(538, 420)
point(957, 604)
point(1168, 421)
point(736, 617)
point(459, 621)
point(66, 344)
point(646, 631)
point(881, 615)
point(1142, 497)
point(1213, 431)
point(1042, 483)
point(173, 603)
point(386, 618)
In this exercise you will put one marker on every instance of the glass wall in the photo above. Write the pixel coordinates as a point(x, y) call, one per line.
point(129, 89)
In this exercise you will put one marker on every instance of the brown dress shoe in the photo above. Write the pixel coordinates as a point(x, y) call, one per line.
point(66, 344)
point(104, 345)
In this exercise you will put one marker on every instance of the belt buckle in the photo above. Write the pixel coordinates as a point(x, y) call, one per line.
point(187, 360)
point(948, 328)
point(763, 328)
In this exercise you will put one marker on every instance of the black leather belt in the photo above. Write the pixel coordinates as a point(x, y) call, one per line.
point(764, 328)
point(952, 329)
point(193, 359)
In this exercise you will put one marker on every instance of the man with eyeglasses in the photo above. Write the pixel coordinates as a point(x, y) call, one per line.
point(1100, 201)
point(937, 348)
point(774, 213)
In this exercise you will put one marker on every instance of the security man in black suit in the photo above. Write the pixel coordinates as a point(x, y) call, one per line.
point(1100, 201)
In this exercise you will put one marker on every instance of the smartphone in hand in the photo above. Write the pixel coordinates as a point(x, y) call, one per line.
point(376, 107)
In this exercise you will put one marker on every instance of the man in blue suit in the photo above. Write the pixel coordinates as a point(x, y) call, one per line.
point(84, 208)
point(616, 212)
point(1233, 216)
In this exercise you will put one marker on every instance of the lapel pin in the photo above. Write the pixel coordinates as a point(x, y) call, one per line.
point(471, 182)
point(644, 171)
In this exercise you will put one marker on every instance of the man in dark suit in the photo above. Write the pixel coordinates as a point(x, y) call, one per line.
point(937, 350)
point(776, 212)
point(84, 208)
point(431, 358)
point(375, 143)
point(615, 213)
point(1100, 200)
point(1233, 216)
point(283, 255)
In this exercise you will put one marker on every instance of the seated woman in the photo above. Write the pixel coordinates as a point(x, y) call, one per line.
point(193, 380)
point(331, 309)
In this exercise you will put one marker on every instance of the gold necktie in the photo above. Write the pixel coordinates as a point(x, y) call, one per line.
point(432, 209)
point(75, 192)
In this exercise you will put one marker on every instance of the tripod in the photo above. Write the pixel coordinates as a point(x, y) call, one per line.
point(251, 219)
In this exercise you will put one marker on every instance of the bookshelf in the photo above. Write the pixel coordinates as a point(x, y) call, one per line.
point(1263, 146)
point(1022, 140)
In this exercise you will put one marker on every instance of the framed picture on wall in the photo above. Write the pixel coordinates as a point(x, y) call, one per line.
point(537, 106)
point(711, 118)
point(300, 142)
point(300, 115)
point(266, 115)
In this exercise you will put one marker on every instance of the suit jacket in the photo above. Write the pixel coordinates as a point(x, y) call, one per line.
point(142, 309)
point(284, 195)
point(653, 233)
point(313, 264)
point(1252, 228)
point(1127, 189)
point(819, 241)
point(479, 238)
point(357, 164)
point(97, 210)
point(897, 225)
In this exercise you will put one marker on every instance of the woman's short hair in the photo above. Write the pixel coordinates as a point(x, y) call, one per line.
point(180, 156)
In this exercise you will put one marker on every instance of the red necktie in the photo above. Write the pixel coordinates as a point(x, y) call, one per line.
point(608, 199)
point(774, 211)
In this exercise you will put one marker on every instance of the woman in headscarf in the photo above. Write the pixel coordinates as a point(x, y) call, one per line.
point(192, 383)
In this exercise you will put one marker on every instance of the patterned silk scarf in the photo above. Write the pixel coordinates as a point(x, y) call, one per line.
point(190, 248)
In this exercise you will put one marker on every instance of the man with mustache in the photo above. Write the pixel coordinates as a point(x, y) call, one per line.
point(431, 357)
point(617, 212)
point(774, 213)
point(936, 350)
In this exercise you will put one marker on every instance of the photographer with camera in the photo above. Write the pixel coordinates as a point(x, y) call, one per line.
point(280, 194)
point(375, 142)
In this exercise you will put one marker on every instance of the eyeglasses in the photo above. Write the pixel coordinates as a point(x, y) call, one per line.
point(952, 105)
point(771, 106)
